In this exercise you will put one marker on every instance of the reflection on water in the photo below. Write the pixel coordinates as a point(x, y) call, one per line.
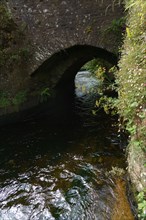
point(57, 171)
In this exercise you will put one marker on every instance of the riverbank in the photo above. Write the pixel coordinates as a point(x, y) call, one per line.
point(131, 80)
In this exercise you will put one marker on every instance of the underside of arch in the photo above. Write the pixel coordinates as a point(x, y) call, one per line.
point(59, 71)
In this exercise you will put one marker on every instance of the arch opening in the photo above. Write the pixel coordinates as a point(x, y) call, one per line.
point(88, 54)
point(59, 72)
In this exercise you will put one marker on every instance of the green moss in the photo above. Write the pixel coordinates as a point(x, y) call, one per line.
point(4, 100)
point(5, 19)
point(11, 40)
point(19, 98)
point(7, 100)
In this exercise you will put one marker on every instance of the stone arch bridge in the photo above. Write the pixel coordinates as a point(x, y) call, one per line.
point(61, 36)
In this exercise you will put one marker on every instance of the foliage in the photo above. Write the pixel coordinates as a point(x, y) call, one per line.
point(19, 98)
point(131, 81)
point(141, 198)
point(24, 53)
point(115, 172)
point(117, 25)
point(95, 63)
point(109, 104)
point(4, 101)
point(131, 77)
point(91, 65)
point(44, 94)
point(105, 75)
point(101, 69)
point(117, 30)
point(7, 100)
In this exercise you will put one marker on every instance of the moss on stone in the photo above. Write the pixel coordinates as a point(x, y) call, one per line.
point(13, 57)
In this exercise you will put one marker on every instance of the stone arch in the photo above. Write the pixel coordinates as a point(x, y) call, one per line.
point(57, 72)
point(60, 69)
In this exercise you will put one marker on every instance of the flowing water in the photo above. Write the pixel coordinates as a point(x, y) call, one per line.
point(51, 169)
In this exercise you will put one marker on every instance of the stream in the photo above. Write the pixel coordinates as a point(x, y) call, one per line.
point(59, 169)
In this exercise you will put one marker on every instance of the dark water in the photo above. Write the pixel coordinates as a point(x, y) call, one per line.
point(57, 169)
